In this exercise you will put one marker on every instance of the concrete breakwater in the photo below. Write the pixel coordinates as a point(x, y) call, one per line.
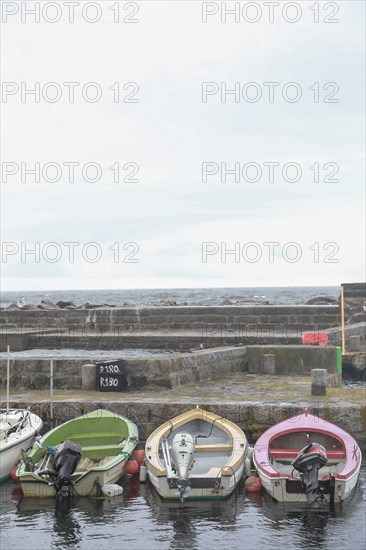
point(176, 317)
point(354, 301)
point(173, 369)
point(171, 327)
point(159, 371)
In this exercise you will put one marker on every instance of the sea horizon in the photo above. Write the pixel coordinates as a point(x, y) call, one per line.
point(190, 296)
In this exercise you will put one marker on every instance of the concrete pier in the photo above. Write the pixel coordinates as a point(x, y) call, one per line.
point(181, 326)
point(269, 363)
point(88, 377)
point(244, 362)
point(318, 381)
point(175, 369)
point(254, 403)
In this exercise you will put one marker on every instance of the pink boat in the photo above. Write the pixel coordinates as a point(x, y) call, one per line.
point(307, 459)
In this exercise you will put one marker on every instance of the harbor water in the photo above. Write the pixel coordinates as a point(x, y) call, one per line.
point(190, 296)
point(140, 520)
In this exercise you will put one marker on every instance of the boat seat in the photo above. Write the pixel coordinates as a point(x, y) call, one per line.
point(214, 448)
point(286, 469)
point(87, 463)
point(212, 472)
point(90, 438)
point(101, 451)
point(333, 470)
point(325, 471)
point(292, 453)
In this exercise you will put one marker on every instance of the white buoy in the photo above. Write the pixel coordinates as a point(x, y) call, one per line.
point(250, 452)
point(112, 490)
point(143, 472)
point(247, 467)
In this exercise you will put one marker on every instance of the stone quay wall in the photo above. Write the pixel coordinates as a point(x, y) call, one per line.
point(174, 369)
point(154, 372)
point(293, 359)
point(253, 418)
point(24, 329)
point(354, 299)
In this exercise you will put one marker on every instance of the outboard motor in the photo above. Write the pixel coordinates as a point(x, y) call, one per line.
point(182, 452)
point(308, 462)
point(66, 459)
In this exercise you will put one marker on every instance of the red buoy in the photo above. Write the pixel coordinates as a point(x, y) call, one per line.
point(253, 484)
point(131, 466)
point(13, 473)
point(17, 493)
point(139, 455)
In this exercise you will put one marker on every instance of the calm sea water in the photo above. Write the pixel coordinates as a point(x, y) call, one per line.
point(139, 520)
point(199, 296)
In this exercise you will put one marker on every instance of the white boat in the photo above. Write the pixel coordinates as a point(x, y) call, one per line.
point(18, 429)
point(197, 455)
point(307, 459)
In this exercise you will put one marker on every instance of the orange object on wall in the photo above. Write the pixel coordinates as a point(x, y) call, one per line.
point(315, 338)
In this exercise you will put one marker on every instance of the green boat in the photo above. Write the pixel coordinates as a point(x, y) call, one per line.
point(79, 457)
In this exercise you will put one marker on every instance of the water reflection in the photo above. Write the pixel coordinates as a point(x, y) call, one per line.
point(185, 519)
point(65, 525)
point(311, 528)
point(141, 519)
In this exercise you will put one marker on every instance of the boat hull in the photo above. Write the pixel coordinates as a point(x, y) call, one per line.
point(220, 448)
point(279, 446)
point(11, 447)
point(88, 485)
point(106, 440)
point(277, 488)
point(201, 488)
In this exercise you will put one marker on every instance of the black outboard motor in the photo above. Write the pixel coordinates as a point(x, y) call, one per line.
point(308, 462)
point(66, 459)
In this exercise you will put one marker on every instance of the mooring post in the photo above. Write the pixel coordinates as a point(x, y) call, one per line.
point(88, 377)
point(269, 363)
point(319, 381)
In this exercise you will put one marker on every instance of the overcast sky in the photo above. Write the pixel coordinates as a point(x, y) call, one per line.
point(166, 134)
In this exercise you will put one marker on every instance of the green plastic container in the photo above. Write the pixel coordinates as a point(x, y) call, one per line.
point(339, 360)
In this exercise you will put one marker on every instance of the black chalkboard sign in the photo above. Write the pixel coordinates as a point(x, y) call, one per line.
point(111, 376)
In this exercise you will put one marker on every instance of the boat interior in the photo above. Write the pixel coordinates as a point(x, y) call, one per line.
point(204, 434)
point(108, 437)
point(93, 456)
point(98, 447)
point(285, 448)
point(213, 447)
point(11, 423)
